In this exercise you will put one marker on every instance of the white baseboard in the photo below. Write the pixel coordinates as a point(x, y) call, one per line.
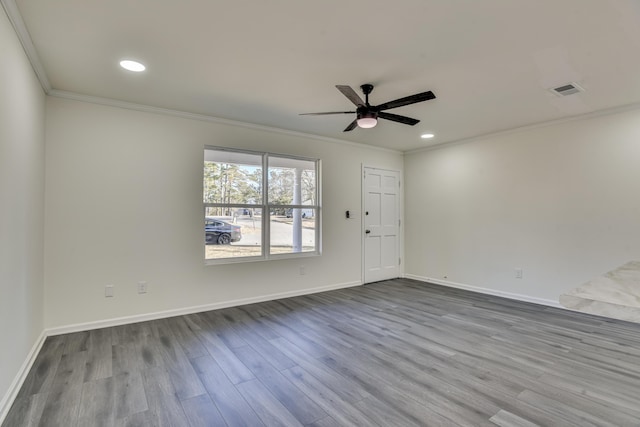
point(14, 388)
point(12, 393)
point(78, 327)
point(488, 291)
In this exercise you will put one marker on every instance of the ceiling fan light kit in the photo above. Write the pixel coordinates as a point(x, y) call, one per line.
point(367, 120)
point(367, 115)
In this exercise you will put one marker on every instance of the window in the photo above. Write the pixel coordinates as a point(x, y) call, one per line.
point(259, 205)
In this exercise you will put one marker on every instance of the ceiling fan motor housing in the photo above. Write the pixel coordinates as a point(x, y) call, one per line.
point(365, 111)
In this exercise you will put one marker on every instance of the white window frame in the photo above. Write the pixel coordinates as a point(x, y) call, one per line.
point(266, 208)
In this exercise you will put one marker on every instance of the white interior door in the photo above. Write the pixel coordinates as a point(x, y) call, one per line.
point(381, 221)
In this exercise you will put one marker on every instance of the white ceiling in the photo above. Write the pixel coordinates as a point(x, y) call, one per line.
point(490, 63)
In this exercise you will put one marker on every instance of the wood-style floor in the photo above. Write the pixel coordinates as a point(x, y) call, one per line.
point(395, 353)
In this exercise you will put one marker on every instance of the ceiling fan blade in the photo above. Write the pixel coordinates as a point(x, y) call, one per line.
point(351, 126)
point(418, 97)
point(397, 118)
point(351, 94)
point(324, 114)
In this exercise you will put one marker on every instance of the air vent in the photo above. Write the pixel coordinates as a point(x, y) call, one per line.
point(566, 90)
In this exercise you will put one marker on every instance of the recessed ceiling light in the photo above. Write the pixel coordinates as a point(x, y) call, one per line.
point(427, 135)
point(127, 64)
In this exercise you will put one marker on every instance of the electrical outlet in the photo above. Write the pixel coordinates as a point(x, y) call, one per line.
point(303, 271)
point(142, 287)
point(518, 273)
point(108, 291)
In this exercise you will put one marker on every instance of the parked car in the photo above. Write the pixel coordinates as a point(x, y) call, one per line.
point(306, 213)
point(221, 232)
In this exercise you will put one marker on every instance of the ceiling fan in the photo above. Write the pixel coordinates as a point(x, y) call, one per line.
point(367, 115)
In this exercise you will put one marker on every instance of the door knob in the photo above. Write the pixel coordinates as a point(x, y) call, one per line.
point(367, 231)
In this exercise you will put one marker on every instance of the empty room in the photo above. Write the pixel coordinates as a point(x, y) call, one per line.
point(336, 213)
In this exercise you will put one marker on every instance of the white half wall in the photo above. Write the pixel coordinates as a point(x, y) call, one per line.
point(124, 204)
point(560, 202)
point(22, 103)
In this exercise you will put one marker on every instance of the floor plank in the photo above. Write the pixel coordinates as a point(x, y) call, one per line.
point(225, 396)
point(162, 399)
point(296, 402)
point(266, 405)
point(97, 404)
point(129, 393)
point(201, 412)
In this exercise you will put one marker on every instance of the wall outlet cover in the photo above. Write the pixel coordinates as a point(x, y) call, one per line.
point(142, 287)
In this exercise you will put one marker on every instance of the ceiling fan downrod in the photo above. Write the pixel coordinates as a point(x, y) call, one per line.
point(366, 89)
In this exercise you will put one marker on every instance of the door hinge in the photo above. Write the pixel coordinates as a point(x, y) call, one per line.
point(399, 261)
point(399, 223)
point(398, 184)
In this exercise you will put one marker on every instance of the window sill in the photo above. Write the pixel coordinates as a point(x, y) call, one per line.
point(224, 261)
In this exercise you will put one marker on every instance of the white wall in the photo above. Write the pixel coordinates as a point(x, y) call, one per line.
point(562, 202)
point(123, 203)
point(21, 207)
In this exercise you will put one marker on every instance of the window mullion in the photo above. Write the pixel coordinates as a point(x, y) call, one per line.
point(266, 215)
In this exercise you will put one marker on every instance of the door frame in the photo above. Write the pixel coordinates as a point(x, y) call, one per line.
point(400, 210)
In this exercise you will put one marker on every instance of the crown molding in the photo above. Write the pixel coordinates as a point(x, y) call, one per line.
point(538, 125)
point(13, 13)
point(202, 117)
